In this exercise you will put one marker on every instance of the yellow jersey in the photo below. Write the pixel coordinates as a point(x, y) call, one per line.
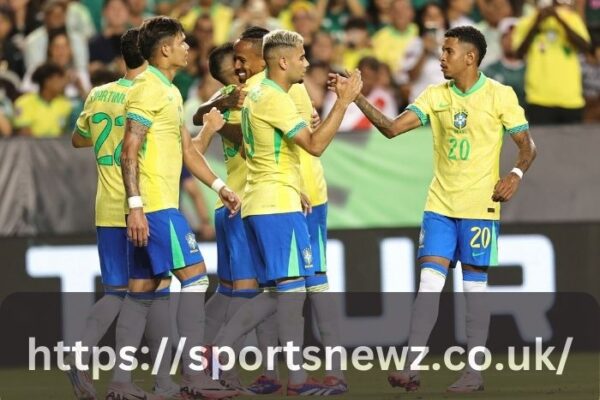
point(553, 73)
point(103, 121)
point(389, 44)
point(156, 103)
point(45, 119)
point(235, 164)
point(270, 121)
point(311, 170)
point(468, 129)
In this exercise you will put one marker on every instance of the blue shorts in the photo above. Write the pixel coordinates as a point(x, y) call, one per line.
point(317, 229)
point(112, 249)
point(234, 260)
point(470, 241)
point(279, 246)
point(171, 245)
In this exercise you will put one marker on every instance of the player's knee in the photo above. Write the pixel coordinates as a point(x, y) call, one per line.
point(117, 291)
point(143, 285)
point(190, 271)
point(195, 284)
point(243, 284)
point(474, 280)
point(245, 293)
point(433, 277)
point(317, 283)
point(444, 262)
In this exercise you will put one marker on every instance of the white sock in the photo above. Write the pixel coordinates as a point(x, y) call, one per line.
point(130, 328)
point(216, 309)
point(158, 327)
point(290, 323)
point(268, 336)
point(477, 312)
point(325, 307)
point(190, 317)
point(426, 306)
point(101, 317)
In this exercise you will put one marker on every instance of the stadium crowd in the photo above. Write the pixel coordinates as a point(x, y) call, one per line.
point(52, 52)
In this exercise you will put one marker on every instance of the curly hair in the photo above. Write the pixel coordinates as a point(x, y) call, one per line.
point(468, 34)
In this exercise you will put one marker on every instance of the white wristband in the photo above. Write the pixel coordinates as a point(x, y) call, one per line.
point(217, 185)
point(135, 202)
point(518, 172)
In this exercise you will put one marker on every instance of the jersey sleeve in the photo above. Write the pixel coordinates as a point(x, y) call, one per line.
point(511, 113)
point(575, 22)
point(285, 116)
point(141, 105)
point(422, 106)
point(82, 126)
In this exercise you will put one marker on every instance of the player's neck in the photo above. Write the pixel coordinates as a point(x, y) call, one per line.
point(168, 71)
point(279, 79)
point(131, 74)
point(466, 81)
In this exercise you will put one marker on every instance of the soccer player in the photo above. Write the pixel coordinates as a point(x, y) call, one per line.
point(161, 241)
point(276, 229)
point(101, 125)
point(468, 116)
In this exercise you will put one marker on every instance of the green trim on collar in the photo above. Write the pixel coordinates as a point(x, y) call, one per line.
point(160, 75)
point(273, 84)
point(125, 82)
point(480, 82)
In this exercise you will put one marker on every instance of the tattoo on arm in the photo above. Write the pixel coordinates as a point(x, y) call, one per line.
point(527, 150)
point(135, 134)
point(377, 118)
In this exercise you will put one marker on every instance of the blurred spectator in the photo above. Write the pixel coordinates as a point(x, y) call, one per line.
point(378, 13)
point(44, 113)
point(11, 57)
point(221, 15)
point(37, 41)
point(324, 50)
point(186, 77)
point(390, 41)
point(206, 87)
point(8, 94)
point(138, 12)
point(279, 10)
point(509, 70)
point(103, 75)
point(590, 10)
point(550, 39)
point(204, 34)
point(252, 13)
point(59, 53)
point(315, 81)
point(105, 47)
point(493, 11)
point(79, 19)
point(334, 14)
point(358, 43)
point(305, 21)
point(457, 12)
point(421, 64)
point(380, 97)
point(591, 85)
point(26, 16)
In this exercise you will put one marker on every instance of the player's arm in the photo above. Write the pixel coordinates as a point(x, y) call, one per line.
point(576, 40)
point(207, 133)
point(231, 97)
point(523, 48)
point(316, 142)
point(79, 141)
point(137, 225)
point(198, 166)
point(508, 185)
point(389, 127)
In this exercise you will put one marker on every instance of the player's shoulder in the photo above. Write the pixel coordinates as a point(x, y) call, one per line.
point(496, 88)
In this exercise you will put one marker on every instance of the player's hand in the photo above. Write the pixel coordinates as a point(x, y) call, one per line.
point(306, 204)
point(137, 227)
point(332, 80)
point(315, 120)
point(230, 200)
point(506, 188)
point(234, 99)
point(348, 90)
point(213, 120)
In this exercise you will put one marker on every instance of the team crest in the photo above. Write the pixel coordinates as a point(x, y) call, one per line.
point(192, 243)
point(460, 120)
point(307, 257)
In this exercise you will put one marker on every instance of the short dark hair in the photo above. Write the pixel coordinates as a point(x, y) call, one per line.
point(107, 2)
point(215, 59)
point(154, 30)
point(356, 23)
point(45, 71)
point(130, 50)
point(468, 34)
point(370, 63)
point(254, 33)
point(102, 76)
